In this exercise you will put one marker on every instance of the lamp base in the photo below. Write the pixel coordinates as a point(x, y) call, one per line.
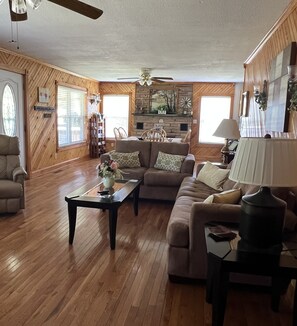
point(262, 219)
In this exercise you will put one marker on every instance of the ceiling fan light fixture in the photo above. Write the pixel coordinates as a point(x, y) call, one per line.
point(141, 82)
point(149, 82)
point(34, 4)
point(19, 6)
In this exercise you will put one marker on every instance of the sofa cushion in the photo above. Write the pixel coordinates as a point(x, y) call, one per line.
point(133, 173)
point(156, 177)
point(169, 162)
point(169, 148)
point(226, 197)
point(213, 176)
point(196, 189)
point(144, 148)
point(126, 160)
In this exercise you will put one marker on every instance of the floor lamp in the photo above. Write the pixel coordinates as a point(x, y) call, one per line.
point(267, 162)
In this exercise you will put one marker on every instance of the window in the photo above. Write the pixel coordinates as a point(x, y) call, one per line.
point(116, 113)
point(71, 117)
point(213, 110)
point(9, 111)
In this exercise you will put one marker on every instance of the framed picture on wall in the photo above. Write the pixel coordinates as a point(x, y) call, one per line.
point(43, 95)
point(244, 104)
point(277, 115)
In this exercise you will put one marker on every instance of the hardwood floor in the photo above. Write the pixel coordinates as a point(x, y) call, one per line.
point(44, 281)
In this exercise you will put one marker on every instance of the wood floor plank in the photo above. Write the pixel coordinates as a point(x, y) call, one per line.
point(45, 281)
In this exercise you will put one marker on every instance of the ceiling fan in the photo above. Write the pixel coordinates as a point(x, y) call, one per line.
point(18, 8)
point(145, 78)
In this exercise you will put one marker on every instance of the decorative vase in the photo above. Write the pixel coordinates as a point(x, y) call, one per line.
point(108, 182)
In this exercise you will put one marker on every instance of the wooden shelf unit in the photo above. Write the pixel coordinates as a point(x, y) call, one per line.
point(97, 135)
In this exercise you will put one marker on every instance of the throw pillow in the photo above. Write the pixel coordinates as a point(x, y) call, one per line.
point(226, 197)
point(169, 162)
point(213, 176)
point(126, 160)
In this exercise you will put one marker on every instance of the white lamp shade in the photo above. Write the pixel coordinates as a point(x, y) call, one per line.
point(270, 162)
point(228, 129)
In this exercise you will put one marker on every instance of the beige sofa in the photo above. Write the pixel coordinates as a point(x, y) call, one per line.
point(187, 256)
point(12, 176)
point(157, 183)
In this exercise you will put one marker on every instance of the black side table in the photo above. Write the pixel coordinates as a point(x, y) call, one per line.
point(225, 257)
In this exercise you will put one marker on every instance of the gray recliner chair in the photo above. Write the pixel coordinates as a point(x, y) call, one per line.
point(12, 176)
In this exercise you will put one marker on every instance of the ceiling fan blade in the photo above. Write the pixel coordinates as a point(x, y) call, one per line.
point(16, 17)
point(123, 78)
point(157, 81)
point(166, 78)
point(79, 7)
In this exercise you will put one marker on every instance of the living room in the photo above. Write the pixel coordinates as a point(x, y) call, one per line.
point(47, 282)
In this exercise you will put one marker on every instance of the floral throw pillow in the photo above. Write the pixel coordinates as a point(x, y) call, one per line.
point(169, 162)
point(126, 160)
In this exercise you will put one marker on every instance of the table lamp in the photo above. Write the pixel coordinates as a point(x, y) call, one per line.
point(228, 129)
point(266, 162)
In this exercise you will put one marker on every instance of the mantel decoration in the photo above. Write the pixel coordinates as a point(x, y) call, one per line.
point(261, 97)
point(109, 171)
point(292, 87)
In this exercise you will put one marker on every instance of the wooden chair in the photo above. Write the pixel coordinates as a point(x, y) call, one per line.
point(187, 137)
point(116, 133)
point(123, 133)
point(154, 135)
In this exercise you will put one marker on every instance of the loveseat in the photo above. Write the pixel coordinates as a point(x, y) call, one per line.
point(196, 204)
point(161, 165)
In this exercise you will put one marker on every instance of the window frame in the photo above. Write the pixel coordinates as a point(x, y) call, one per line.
point(84, 141)
point(215, 145)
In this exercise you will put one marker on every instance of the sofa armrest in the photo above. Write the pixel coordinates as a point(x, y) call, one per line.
point(188, 164)
point(19, 174)
point(202, 213)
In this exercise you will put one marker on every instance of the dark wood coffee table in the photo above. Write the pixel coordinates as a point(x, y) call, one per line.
point(226, 257)
point(88, 196)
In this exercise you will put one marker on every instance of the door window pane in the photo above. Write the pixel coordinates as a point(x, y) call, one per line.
point(213, 110)
point(9, 111)
point(116, 113)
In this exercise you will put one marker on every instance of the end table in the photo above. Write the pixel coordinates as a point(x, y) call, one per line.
point(225, 257)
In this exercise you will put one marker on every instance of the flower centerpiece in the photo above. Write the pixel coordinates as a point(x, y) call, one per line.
point(109, 171)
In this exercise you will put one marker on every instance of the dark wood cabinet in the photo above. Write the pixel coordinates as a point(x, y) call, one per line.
point(97, 135)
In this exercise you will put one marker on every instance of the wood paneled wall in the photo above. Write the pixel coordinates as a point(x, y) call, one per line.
point(41, 139)
point(201, 152)
point(257, 70)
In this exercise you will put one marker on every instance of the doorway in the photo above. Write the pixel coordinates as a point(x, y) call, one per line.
point(12, 109)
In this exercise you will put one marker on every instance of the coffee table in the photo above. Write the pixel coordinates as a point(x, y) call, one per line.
point(88, 196)
point(226, 257)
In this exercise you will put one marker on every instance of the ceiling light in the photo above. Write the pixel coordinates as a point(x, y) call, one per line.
point(19, 6)
point(149, 82)
point(34, 3)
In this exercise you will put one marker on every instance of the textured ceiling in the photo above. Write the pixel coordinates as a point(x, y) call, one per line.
point(189, 40)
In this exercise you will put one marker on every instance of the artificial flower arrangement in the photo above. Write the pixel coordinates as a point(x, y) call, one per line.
point(109, 169)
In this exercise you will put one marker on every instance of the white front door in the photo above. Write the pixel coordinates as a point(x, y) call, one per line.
point(12, 108)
